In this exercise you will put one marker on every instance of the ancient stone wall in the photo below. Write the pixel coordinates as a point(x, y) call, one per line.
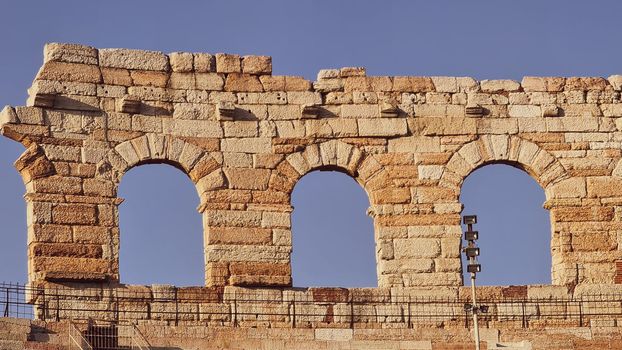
point(245, 137)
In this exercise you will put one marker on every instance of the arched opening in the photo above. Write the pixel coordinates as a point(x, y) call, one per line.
point(514, 228)
point(161, 234)
point(332, 236)
point(13, 250)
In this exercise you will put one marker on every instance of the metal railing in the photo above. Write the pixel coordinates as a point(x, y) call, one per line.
point(138, 341)
point(293, 307)
point(76, 339)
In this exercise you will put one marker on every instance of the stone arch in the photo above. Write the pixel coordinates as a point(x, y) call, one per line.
point(506, 149)
point(329, 155)
point(204, 171)
point(343, 157)
point(525, 155)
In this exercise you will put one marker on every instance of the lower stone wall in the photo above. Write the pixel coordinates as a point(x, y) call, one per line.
point(598, 335)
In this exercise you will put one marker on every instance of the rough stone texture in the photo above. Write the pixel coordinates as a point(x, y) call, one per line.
point(245, 138)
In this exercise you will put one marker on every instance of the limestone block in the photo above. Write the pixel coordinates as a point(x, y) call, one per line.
point(415, 144)
point(77, 102)
point(238, 235)
point(190, 155)
point(64, 87)
point(328, 85)
point(196, 128)
point(71, 53)
point(284, 112)
point(62, 71)
point(304, 97)
point(210, 181)
point(412, 84)
point(193, 111)
point(447, 265)
point(182, 81)
point(450, 247)
point(432, 279)
point(352, 72)
point(328, 74)
point(296, 83)
point(467, 84)
point(241, 128)
point(133, 59)
point(367, 84)
point(430, 172)
point(445, 84)
point(242, 82)
point(253, 179)
point(246, 145)
point(382, 127)
point(127, 152)
point(550, 84)
point(276, 220)
point(182, 61)
point(586, 83)
point(149, 78)
point(572, 124)
point(38, 213)
point(494, 86)
point(333, 334)
point(116, 76)
point(232, 218)
point(145, 93)
point(527, 152)
point(405, 265)
point(209, 81)
point(204, 63)
point(24, 115)
point(74, 214)
point(331, 127)
point(110, 91)
point(448, 208)
point(257, 64)
point(360, 111)
point(431, 126)
point(615, 81)
point(217, 253)
point(568, 188)
point(604, 186)
point(227, 63)
point(524, 111)
point(579, 214)
point(417, 248)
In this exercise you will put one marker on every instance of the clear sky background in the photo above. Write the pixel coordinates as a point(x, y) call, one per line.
point(333, 238)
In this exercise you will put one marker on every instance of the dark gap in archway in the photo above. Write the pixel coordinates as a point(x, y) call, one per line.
point(161, 234)
point(332, 236)
point(514, 228)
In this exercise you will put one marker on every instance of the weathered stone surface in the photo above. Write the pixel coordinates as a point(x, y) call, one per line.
point(245, 138)
point(257, 65)
point(133, 59)
point(62, 71)
point(226, 63)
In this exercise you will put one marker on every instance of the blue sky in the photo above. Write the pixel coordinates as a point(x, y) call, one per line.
point(484, 39)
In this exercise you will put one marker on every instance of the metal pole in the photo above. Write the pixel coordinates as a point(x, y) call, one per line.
point(474, 307)
point(474, 310)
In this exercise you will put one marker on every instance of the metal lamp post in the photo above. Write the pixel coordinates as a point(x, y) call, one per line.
point(472, 251)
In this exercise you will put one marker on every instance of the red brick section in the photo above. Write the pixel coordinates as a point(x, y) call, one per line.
point(514, 292)
point(618, 277)
point(458, 346)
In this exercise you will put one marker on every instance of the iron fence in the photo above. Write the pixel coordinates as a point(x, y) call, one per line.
point(330, 307)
